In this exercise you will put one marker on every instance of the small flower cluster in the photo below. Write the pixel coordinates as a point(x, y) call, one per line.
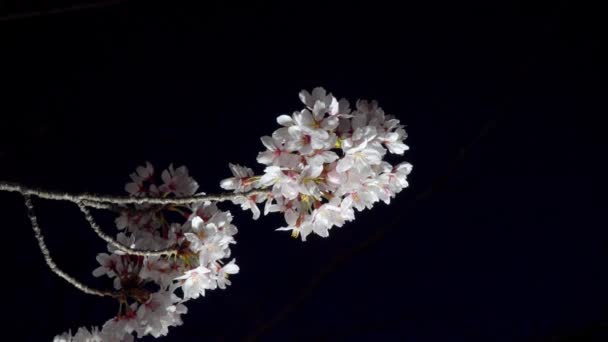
point(325, 161)
point(202, 235)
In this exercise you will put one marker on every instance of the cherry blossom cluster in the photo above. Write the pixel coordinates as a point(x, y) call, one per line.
point(202, 235)
point(324, 161)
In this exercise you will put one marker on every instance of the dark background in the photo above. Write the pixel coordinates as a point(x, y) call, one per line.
point(500, 237)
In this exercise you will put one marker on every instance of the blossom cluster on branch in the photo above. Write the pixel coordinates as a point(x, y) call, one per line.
point(324, 162)
point(201, 234)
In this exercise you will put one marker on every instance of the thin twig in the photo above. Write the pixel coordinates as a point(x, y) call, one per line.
point(118, 245)
point(49, 261)
point(104, 200)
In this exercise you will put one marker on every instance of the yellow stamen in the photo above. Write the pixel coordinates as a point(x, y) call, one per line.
point(338, 143)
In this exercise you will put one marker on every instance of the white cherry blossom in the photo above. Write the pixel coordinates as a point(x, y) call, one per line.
point(277, 153)
point(161, 311)
point(178, 182)
point(242, 180)
point(195, 282)
point(340, 163)
point(221, 277)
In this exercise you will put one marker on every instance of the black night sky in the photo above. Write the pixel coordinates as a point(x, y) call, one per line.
point(500, 237)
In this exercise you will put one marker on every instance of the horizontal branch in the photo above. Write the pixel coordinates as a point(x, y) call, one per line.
point(102, 201)
point(119, 246)
point(49, 261)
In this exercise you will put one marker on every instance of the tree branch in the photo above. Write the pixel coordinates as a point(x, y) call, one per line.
point(49, 261)
point(108, 203)
point(118, 245)
point(105, 201)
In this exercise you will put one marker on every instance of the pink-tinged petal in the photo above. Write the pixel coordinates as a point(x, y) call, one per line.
point(346, 204)
point(359, 120)
point(363, 106)
point(295, 133)
point(197, 223)
point(266, 157)
point(305, 97)
point(289, 191)
point(191, 237)
point(314, 171)
point(319, 93)
point(303, 118)
point(397, 147)
point(122, 221)
point(317, 159)
point(268, 179)
point(305, 230)
point(344, 106)
point(228, 183)
point(291, 217)
point(288, 160)
point(132, 188)
point(345, 163)
point(234, 169)
point(99, 271)
point(282, 134)
point(404, 167)
point(181, 171)
point(334, 106)
point(166, 177)
point(285, 120)
point(336, 178)
point(390, 124)
point(391, 136)
point(103, 259)
point(330, 123)
point(144, 172)
point(150, 167)
point(321, 230)
point(317, 143)
point(318, 111)
point(373, 156)
point(231, 268)
point(269, 143)
point(268, 206)
point(329, 156)
point(296, 147)
point(307, 149)
point(316, 133)
point(255, 211)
